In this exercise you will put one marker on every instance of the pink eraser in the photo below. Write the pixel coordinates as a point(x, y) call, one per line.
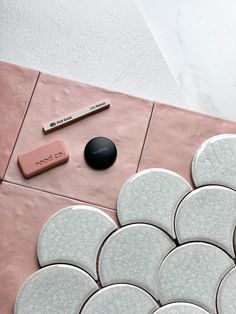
point(42, 158)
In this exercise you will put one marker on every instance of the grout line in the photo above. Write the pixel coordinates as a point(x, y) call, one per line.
point(145, 137)
point(56, 194)
point(32, 93)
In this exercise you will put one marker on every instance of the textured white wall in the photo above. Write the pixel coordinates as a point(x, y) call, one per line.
point(102, 42)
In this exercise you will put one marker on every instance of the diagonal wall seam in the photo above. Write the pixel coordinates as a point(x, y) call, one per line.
point(27, 108)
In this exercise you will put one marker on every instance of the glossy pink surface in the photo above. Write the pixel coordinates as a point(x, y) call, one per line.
point(125, 123)
point(23, 212)
point(16, 87)
point(174, 136)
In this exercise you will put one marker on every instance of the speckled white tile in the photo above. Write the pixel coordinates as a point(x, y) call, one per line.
point(152, 196)
point(181, 308)
point(215, 162)
point(192, 273)
point(133, 254)
point(56, 289)
point(120, 299)
point(74, 236)
point(208, 214)
point(226, 298)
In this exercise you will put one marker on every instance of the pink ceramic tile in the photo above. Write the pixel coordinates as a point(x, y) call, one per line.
point(125, 123)
point(16, 87)
point(175, 134)
point(23, 212)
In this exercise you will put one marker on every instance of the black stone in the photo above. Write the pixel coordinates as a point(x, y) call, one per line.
point(100, 153)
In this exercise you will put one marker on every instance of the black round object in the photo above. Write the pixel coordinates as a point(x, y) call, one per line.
point(100, 153)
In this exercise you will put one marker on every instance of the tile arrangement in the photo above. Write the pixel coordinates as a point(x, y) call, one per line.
point(147, 135)
point(173, 253)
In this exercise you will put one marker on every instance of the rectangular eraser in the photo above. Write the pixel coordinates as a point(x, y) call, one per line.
point(42, 158)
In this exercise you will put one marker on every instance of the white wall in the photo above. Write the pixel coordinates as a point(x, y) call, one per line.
point(102, 42)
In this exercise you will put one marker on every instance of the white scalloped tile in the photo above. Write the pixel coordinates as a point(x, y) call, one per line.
point(181, 308)
point(208, 214)
point(133, 254)
point(226, 298)
point(152, 196)
point(215, 162)
point(56, 289)
point(120, 299)
point(74, 236)
point(192, 273)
